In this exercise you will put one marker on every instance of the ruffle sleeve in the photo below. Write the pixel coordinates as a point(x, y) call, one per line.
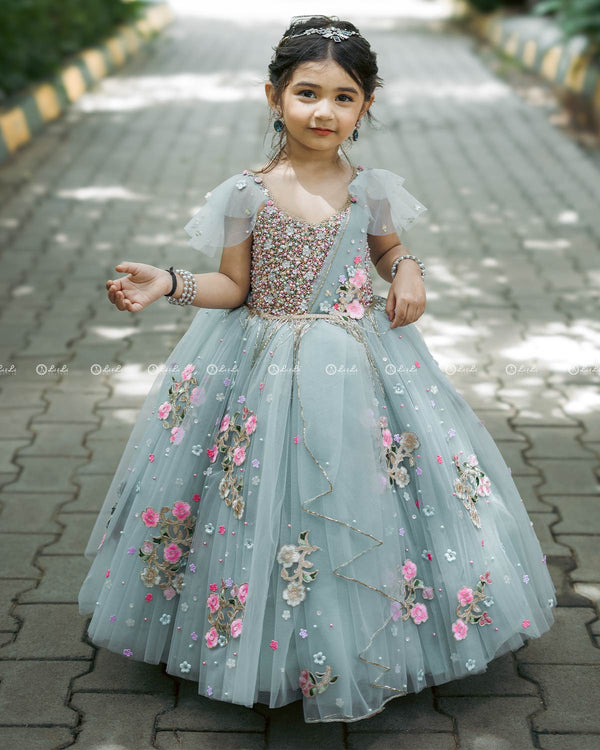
point(227, 216)
point(391, 207)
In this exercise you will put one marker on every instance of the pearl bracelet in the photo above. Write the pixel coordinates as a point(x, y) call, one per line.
point(190, 288)
point(402, 257)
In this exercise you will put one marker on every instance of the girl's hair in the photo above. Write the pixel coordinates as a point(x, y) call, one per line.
point(354, 55)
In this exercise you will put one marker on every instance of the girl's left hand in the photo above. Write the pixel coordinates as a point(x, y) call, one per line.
point(406, 298)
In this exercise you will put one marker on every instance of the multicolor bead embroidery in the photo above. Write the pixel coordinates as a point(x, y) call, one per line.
point(231, 486)
point(182, 393)
point(174, 535)
point(470, 484)
point(309, 682)
point(226, 612)
point(469, 599)
point(288, 555)
point(405, 589)
point(398, 448)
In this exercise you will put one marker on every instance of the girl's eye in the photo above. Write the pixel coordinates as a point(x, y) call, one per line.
point(308, 91)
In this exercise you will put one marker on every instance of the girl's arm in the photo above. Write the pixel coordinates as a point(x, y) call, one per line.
point(144, 284)
point(384, 249)
point(226, 288)
point(406, 297)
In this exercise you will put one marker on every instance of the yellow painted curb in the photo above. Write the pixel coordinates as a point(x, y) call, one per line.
point(529, 52)
point(16, 130)
point(550, 61)
point(95, 63)
point(73, 82)
point(47, 101)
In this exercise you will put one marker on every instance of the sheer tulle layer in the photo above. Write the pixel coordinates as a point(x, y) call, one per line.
point(367, 574)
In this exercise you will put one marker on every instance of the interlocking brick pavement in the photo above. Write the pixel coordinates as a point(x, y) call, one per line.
point(511, 244)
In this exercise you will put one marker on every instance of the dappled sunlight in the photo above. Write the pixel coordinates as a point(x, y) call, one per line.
point(102, 193)
point(133, 379)
point(243, 14)
point(583, 400)
point(130, 93)
point(112, 333)
point(559, 350)
point(434, 88)
point(547, 245)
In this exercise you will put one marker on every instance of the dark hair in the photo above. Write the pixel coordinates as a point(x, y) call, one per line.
point(354, 55)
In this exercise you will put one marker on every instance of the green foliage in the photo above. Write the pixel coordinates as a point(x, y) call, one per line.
point(487, 6)
point(574, 17)
point(37, 36)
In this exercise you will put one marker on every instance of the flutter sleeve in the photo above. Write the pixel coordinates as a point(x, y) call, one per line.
point(227, 216)
point(391, 207)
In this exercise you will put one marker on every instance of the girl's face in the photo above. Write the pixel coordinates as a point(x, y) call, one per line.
point(314, 99)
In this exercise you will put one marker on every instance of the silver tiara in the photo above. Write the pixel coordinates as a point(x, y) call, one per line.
point(330, 32)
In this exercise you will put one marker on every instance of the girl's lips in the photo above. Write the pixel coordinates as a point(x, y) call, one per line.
point(322, 131)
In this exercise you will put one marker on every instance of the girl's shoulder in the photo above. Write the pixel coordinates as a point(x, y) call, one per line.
point(226, 215)
point(391, 207)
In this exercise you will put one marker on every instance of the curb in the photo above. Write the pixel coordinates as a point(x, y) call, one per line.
point(27, 114)
point(537, 43)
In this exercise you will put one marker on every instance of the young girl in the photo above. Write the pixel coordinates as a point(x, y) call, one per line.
point(306, 508)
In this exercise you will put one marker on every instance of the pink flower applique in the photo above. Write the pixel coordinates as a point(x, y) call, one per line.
point(233, 440)
point(404, 589)
point(226, 611)
point(419, 613)
point(172, 411)
point(469, 599)
point(176, 532)
point(311, 684)
point(460, 630)
point(397, 449)
point(354, 293)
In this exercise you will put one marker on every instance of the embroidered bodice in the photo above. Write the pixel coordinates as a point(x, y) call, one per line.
point(288, 254)
point(298, 267)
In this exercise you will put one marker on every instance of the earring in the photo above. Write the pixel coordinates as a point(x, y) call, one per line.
point(355, 131)
point(278, 124)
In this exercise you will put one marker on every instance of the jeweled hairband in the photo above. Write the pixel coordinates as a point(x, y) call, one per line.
point(330, 32)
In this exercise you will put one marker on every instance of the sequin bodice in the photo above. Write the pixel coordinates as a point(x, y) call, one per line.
point(288, 267)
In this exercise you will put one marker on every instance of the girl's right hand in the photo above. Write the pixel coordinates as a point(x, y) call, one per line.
point(143, 285)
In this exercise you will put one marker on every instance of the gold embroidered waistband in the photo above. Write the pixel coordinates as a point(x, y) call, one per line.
point(301, 316)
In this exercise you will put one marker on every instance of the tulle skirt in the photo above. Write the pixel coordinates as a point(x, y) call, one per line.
point(306, 509)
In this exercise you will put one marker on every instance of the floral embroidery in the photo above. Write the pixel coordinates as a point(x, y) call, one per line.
point(230, 486)
point(404, 588)
point(398, 448)
point(289, 554)
point(310, 684)
point(226, 612)
point(471, 483)
point(174, 535)
point(469, 599)
point(173, 411)
point(353, 293)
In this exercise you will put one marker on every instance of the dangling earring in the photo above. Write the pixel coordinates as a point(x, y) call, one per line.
point(355, 131)
point(278, 124)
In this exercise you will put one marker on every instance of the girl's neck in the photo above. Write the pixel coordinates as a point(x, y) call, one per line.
point(315, 167)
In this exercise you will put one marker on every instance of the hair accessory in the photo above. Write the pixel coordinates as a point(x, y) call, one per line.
point(330, 32)
point(402, 257)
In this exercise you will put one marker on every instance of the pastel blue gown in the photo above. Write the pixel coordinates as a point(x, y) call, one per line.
point(306, 508)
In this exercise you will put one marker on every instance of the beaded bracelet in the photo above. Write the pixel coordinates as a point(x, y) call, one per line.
point(402, 257)
point(190, 287)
